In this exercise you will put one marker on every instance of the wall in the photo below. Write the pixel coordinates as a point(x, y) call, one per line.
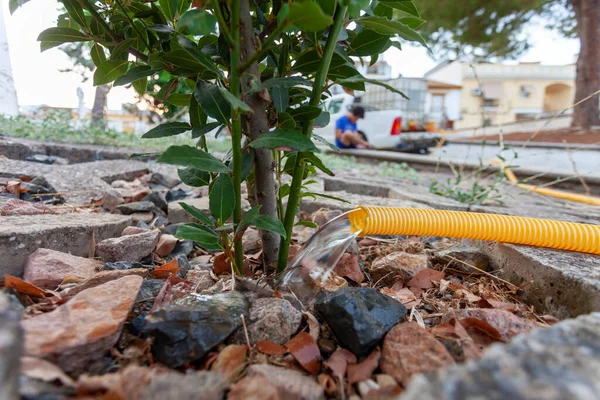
point(8, 96)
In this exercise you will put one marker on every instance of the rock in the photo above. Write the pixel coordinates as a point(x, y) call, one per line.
point(251, 240)
point(200, 278)
point(158, 199)
point(127, 248)
point(111, 199)
point(182, 262)
point(290, 383)
point(45, 159)
point(183, 248)
point(166, 244)
point(253, 388)
point(48, 268)
point(11, 338)
point(84, 328)
point(34, 389)
point(103, 277)
point(191, 326)
point(322, 217)
point(164, 180)
point(203, 385)
point(160, 222)
point(20, 207)
point(505, 322)
point(359, 317)
point(178, 215)
point(171, 229)
point(150, 289)
point(349, 267)
point(559, 362)
point(271, 319)
point(136, 207)
point(409, 349)
point(392, 267)
point(145, 217)
point(467, 254)
point(121, 265)
point(133, 230)
point(176, 194)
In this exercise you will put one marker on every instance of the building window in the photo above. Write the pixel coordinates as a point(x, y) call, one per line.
point(490, 102)
point(437, 103)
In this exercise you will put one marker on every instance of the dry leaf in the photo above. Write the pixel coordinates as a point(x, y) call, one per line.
point(166, 295)
point(426, 278)
point(482, 333)
point(14, 187)
point(339, 360)
point(327, 383)
point(231, 361)
point(166, 270)
point(23, 287)
point(221, 264)
point(314, 328)
point(43, 370)
point(305, 350)
point(363, 370)
point(491, 303)
point(404, 296)
point(166, 244)
point(270, 348)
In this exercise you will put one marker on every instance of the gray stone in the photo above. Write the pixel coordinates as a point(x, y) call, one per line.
point(203, 385)
point(70, 233)
point(124, 265)
point(200, 278)
point(399, 265)
point(127, 248)
point(272, 319)
point(183, 248)
point(164, 179)
point(563, 283)
point(158, 199)
point(111, 199)
point(251, 240)
point(559, 362)
point(467, 254)
point(177, 194)
point(44, 159)
point(150, 289)
point(177, 214)
point(136, 207)
point(11, 338)
point(290, 383)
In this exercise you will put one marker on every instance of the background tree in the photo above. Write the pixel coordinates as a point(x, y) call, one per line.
point(492, 30)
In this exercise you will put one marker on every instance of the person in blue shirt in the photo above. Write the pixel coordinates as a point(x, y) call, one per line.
point(346, 132)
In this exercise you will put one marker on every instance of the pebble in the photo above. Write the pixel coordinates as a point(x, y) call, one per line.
point(127, 248)
point(47, 268)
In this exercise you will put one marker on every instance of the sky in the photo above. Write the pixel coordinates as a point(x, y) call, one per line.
point(38, 79)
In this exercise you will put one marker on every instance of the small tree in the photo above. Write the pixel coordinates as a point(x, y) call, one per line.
point(260, 69)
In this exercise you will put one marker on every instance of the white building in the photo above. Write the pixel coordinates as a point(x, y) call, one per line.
point(8, 95)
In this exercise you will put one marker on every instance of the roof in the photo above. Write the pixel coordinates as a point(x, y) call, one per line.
point(441, 85)
point(438, 67)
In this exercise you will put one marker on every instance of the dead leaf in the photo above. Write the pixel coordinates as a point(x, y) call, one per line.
point(166, 294)
point(550, 319)
point(480, 331)
point(14, 187)
point(327, 383)
point(125, 384)
point(363, 370)
point(43, 370)
point(314, 328)
point(166, 244)
point(470, 349)
point(221, 264)
point(404, 296)
point(305, 350)
point(491, 303)
point(426, 278)
point(23, 287)
point(137, 352)
point(231, 361)
point(339, 360)
point(166, 270)
point(270, 348)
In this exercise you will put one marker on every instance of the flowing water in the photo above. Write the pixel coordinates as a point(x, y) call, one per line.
point(310, 271)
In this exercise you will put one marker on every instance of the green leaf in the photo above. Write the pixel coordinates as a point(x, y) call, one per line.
point(204, 129)
point(14, 4)
point(285, 121)
point(373, 82)
point(309, 61)
point(222, 198)
point(75, 11)
point(179, 99)
point(308, 224)
point(109, 70)
point(162, 28)
point(269, 223)
point(97, 54)
point(247, 220)
point(193, 177)
point(316, 161)
point(308, 16)
point(212, 101)
point(282, 138)
point(184, 59)
point(325, 142)
point(385, 26)
point(134, 74)
point(356, 6)
point(166, 89)
point(169, 7)
point(140, 86)
point(196, 213)
point(197, 116)
point(120, 49)
point(305, 113)
point(412, 22)
point(281, 98)
point(248, 154)
point(204, 236)
point(62, 35)
point(192, 48)
point(281, 83)
point(368, 42)
point(197, 22)
point(328, 6)
point(236, 104)
point(403, 5)
point(48, 45)
point(381, 10)
point(312, 194)
point(189, 156)
point(167, 129)
point(322, 120)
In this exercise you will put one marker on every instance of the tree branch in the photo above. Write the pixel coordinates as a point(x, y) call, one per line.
point(223, 25)
point(263, 47)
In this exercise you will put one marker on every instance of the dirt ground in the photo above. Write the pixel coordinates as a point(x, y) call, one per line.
point(567, 135)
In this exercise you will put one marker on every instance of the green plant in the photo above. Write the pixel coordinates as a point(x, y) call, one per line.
point(261, 77)
point(473, 190)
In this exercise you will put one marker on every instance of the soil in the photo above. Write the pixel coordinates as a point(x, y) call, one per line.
point(567, 135)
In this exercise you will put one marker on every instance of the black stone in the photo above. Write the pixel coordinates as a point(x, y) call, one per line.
point(137, 206)
point(160, 179)
point(160, 222)
point(45, 159)
point(183, 248)
point(359, 317)
point(149, 289)
point(171, 229)
point(8, 195)
point(158, 199)
point(123, 265)
point(174, 195)
point(182, 262)
point(142, 224)
point(187, 329)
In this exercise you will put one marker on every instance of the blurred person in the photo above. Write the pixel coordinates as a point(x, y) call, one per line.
point(346, 131)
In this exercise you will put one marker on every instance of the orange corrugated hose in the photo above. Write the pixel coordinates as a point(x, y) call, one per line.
point(479, 226)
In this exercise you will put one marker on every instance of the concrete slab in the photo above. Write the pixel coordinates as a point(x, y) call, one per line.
point(178, 215)
point(559, 362)
point(70, 233)
point(309, 205)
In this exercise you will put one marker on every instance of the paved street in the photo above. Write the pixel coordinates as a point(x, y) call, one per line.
point(554, 160)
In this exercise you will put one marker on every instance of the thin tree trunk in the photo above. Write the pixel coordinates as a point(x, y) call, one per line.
point(587, 13)
point(100, 103)
point(255, 124)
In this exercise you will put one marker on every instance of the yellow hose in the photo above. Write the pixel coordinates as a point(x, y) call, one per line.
point(492, 227)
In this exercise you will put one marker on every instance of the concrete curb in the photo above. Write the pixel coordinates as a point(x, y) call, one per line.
point(537, 145)
point(567, 181)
